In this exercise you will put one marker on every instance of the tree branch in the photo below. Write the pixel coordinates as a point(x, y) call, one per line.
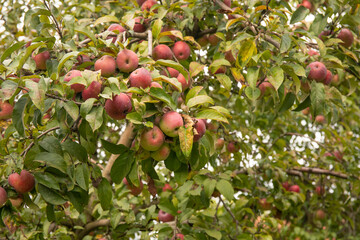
point(125, 139)
point(231, 214)
point(58, 28)
point(93, 225)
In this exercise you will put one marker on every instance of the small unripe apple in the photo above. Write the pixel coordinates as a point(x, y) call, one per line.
point(219, 143)
point(320, 119)
point(162, 51)
point(162, 153)
point(306, 111)
point(152, 139)
point(40, 59)
point(184, 83)
point(265, 204)
point(134, 190)
point(3, 196)
point(265, 87)
point(127, 61)
point(106, 64)
point(200, 128)
point(92, 91)
point(6, 110)
point(347, 37)
point(140, 78)
point(294, 188)
point(165, 217)
point(77, 87)
point(170, 123)
point(167, 187)
point(119, 106)
point(317, 71)
point(181, 50)
point(23, 182)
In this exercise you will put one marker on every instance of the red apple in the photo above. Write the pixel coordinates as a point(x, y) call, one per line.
point(165, 217)
point(347, 37)
point(155, 85)
point(328, 78)
point(117, 28)
point(219, 143)
point(181, 50)
point(140, 2)
point(320, 214)
point(6, 110)
point(152, 139)
point(139, 26)
point(312, 52)
point(171, 72)
point(265, 204)
point(162, 51)
point(317, 71)
point(170, 123)
point(92, 91)
point(307, 4)
point(286, 185)
point(306, 111)
point(320, 190)
point(17, 202)
point(127, 61)
point(22, 183)
point(134, 190)
point(203, 40)
point(227, 2)
point(162, 153)
point(146, 6)
point(213, 40)
point(324, 34)
point(200, 128)
point(320, 119)
point(265, 87)
point(232, 148)
point(77, 87)
point(3, 196)
point(106, 64)
point(119, 106)
point(140, 78)
point(294, 188)
point(178, 236)
point(40, 59)
point(167, 187)
point(184, 83)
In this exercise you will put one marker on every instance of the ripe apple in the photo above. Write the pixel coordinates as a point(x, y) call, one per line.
point(106, 64)
point(77, 87)
point(171, 72)
point(219, 143)
point(152, 139)
point(317, 71)
point(165, 217)
point(17, 202)
point(155, 85)
point(312, 52)
point(346, 36)
point(167, 187)
point(328, 78)
point(140, 78)
point(181, 50)
point(146, 6)
point(203, 40)
point(3, 197)
point(82, 58)
point(320, 119)
point(184, 84)
point(127, 61)
point(151, 187)
point(335, 80)
point(227, 2)
point(286, 185)
point(134, 190)
point(320, 190)
point(200, 128)
point(6, 110)
point(265, 204)
point(40, 59)
point(162, 51)
point(320, 214)
point(92, 91)
point(294, 188)
point(119, 106)
point(232, 148)
point(265, 86)
point(306, 111)
point(139, 26)
point(162, 153)
point(117, 28)
point(307, 4)
point(221, 69)
point(140, 2)
point(178, 236)
point(229, 56)
point(213, 40)
point(324, 34)
point(22, 183)
point(170, 123)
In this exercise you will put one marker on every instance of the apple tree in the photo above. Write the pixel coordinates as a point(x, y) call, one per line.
point(179, 119)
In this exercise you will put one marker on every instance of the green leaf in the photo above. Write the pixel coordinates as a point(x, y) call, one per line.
point(105, 194)
point(79, 198)
point(27, 54)
point(72, 109)
point(209, 186)
point(64, 59)
point(8, 88)
point(216, 64)
point(156, 28)
point(285, 43)
point(82, 176)
point(252, 76)
point(175, 65)
point(299, 15)
point(252, 93)
point(247, 50)
point(193, 92)
point(306, 103)
point(211, 114)
point(199, 100)
point(277, 76)
point(36, 93)
point(113, 148)
point(288, 102)
point(106, 19)
point(69, 21)
point(87, 33)
point(172, 81)
point(225, 188)
point(172, 162)
point(51, 144)
point(75, 150)
point(86, 107)
point(95, 118)
point(225, 81)
point(121, 167)
point(317, 98)
point(160, 94)
point(167, 206)
point(47, 180)
point(10, 50)
point(186, 137)
point(50, 195)
point(134, 117)
point(18, 115)
point(319, 24)
point(52, 160)
point(213, 233)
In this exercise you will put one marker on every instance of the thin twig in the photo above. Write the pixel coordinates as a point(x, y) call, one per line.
point(32, 143)
point(231, 214)
point(58, 28)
